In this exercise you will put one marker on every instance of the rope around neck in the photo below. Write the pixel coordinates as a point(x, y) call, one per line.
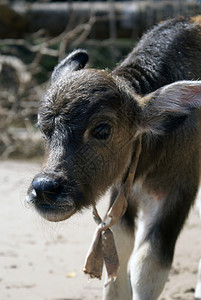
point(103, 249)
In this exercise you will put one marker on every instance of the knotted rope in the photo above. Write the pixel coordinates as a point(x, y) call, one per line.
point(103, 249)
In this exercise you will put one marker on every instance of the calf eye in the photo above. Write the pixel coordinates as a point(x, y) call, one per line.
point(102, 131)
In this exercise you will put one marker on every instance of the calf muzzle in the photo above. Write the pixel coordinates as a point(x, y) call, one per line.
point(52, 196)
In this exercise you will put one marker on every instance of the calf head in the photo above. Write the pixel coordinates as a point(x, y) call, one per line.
point(90, 120)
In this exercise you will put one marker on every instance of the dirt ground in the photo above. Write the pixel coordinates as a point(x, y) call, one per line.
point(43, 261)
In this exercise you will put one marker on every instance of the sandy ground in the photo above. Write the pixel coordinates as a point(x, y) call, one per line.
point(42, 261)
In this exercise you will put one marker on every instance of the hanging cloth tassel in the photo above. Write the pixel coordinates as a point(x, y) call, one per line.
point(103, 249)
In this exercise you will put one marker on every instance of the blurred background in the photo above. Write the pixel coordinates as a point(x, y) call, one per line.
point(36, 35)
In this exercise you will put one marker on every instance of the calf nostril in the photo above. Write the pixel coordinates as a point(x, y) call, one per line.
point(47, 189)
point(53, 193)
point(42, 184)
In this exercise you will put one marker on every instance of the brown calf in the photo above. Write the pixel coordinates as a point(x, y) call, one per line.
point(92, 121)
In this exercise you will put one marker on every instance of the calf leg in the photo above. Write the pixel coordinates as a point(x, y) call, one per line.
point(120, 288)
point(148, 274)
point(155, 242)
point(124, 239)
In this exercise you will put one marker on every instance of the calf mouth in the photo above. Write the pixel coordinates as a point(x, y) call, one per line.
point(51, 199)
point(50, 207)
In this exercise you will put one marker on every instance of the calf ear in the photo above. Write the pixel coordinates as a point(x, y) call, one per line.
point(73, 62)
point(172, 102)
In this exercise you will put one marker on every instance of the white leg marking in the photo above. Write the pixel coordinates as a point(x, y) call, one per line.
point(148, 277)
point(149, 208)
point(121, 289)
